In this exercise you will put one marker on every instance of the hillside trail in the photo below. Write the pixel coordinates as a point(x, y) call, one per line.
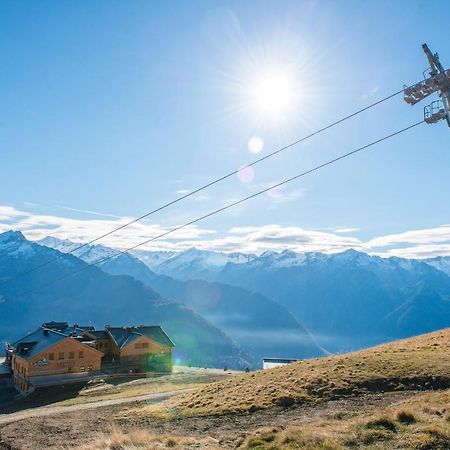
point(53, 410)
point(75, 426)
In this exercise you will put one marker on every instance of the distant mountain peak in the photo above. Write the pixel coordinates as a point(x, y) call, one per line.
point(14, 243)
point(87, 252)
point(351, 251)
point(11, 236)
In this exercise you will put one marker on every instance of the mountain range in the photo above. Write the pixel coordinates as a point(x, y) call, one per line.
point(345, 300)
point(226, 309)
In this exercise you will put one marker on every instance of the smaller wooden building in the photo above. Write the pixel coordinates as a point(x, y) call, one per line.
point(135, 349)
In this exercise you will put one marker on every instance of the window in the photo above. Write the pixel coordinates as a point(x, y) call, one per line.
point(81, 355)
point(71, 355)
point(61, 355)
point(141, 345)
point(51, 356)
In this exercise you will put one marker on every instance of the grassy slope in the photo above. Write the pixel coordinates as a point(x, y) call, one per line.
point(420, 423)
point(181, 378)
point(418, 363)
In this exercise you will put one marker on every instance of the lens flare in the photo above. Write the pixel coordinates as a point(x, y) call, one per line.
point(255, 144)
point(246, 174)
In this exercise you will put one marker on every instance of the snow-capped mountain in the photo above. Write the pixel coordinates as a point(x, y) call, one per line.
point(203, 264)
point(88, 253)
point(350, 298)
point(153, 258)
point(195, 263)
point(441, 263)
point(13, 243)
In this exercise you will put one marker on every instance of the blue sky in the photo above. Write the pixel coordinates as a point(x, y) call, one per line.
point(114, 107)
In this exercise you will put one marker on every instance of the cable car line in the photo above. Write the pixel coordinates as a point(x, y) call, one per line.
point(212, 183)
point(212, 213)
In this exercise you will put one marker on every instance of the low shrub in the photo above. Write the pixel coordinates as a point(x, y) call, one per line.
point(383, 423)
point(406, 417)
point(260, 442)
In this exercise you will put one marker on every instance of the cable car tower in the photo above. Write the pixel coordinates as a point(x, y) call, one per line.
point(438, 80)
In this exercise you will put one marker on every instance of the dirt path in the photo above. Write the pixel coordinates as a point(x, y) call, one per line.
point(77, 425)
point(55, 410)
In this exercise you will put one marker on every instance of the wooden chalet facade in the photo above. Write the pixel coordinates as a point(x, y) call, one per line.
point(134, 349)
point(58, 354)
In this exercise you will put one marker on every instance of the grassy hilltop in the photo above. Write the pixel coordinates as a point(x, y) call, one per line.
point(419, 363)
point(395, 374)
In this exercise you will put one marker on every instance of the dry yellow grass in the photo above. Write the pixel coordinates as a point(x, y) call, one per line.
point(385, 429)
point(420, 421)
point(419, 363)
point(143, 440)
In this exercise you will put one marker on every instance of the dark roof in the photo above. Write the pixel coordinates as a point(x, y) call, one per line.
point(86, 328)
point(37, 342)
point(98, 334)
point(125, 335)
point(60, 326)
point(44, 338)
point(280, 360)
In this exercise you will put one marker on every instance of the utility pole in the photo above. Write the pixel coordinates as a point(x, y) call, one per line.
point(438, 80)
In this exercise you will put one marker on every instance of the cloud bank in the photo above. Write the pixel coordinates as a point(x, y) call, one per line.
point(424, 243)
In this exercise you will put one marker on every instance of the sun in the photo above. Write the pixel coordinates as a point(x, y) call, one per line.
point(274, 93)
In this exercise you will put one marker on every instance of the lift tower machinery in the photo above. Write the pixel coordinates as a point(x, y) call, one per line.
point(438, 80)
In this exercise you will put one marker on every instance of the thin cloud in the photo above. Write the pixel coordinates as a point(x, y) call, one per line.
point(87, 211)
point(345, 230)
point(282, 194)
point(371, 92)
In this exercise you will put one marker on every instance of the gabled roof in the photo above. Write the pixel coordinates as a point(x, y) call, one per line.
point(85, 328)
point(35, 343)
point(44, 338)
point(123, 336)
point(58, 326)
point(97, 334)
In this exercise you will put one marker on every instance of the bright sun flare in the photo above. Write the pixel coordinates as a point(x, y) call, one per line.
point(274, 93)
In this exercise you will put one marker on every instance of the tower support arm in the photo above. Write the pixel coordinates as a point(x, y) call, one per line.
point(419, 91)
